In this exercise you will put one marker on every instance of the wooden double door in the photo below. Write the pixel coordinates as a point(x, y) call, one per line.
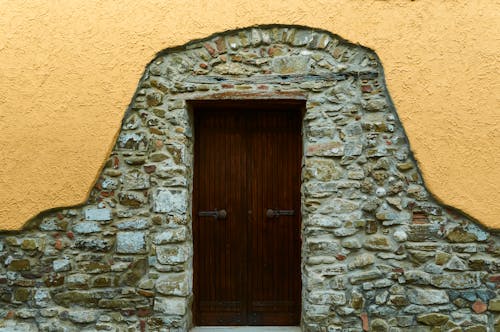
point(246, 214)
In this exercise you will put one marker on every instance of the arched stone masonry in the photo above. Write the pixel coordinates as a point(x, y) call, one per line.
point(378, 252)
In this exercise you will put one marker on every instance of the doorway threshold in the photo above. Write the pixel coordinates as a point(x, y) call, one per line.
point(246, 329)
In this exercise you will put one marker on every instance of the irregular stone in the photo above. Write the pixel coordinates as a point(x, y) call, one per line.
point(83, 316)
point(417, 277)
point(172, 254)
point(29, 244)
point(459, 235)
point(323, 244)
point(374, 105)
point(395, 202)
point(53, 224)
point(61, 265)
point(479, 307)
point(130, 242)
point(323, 221)
point(364, 321)
point(325, 149)
point(146, 284)
point(360, 277)
point(24, 314)
point(170, 305)
point(475, 328)
point(451, 327)
point(416, 191)
point(345, 231)
point(102, 281)
point(42, 298)
point(131, 199)
point(339, 206)
point(172, 235)
point(400, 236)
point(321, 170)
point(433, 319)
point(135, 272)
point(355, 172)
point(427, 296)
point(98, 214)
point(327, 297)
point(94, 267)
point(53, 280)
point(379, 325)
point(378, 242)
point(135, 180)
point(494, 305)
point(115, 303)
point(457, 281)
point(290, 64)
point(351, 243)
point(21, 294)
point(94, 244)
point(157, 157)
point(77, 281)
point(403, 167)
point(173, 284)
point(442, 257)
point(87, 227)
point(68, 298)
point(455, 264)
point(485, 295)
point(170, 200)
point(362, 260)
point(135, 161)
point(133, 224)
point(478, 232)
point(19, 265)
point(132, 141)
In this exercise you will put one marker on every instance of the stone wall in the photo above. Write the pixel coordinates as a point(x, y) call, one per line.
point(379, 253)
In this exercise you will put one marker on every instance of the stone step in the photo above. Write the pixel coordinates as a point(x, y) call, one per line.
point(246, 328)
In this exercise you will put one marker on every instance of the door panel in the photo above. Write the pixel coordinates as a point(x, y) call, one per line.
point(220, 243)
point(247, 266)
point(274, 182)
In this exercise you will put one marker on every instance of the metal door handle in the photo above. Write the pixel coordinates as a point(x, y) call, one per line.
point(275, 213)
point(216, 214)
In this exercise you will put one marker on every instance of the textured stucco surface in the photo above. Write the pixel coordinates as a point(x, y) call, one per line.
point(68, 71)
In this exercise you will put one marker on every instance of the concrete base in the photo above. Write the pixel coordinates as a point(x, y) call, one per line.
point(246, 329)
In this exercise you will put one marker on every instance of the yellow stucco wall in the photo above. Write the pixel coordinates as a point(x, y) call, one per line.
point(68, 70)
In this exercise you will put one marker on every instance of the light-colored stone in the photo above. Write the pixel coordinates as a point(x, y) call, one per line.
point(427, 296)
point(327, 297)
point(362, 260)
point(173, 284)
point(97, 214)
point(171, 235)
point(170, 200)
point(87, 227)
point(170, 305)
point(61, 265)
point(42, 298)
point(172, 254)
point(83, 316)
point(130, 242)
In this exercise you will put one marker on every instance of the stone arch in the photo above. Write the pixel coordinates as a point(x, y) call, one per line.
point(378, 250)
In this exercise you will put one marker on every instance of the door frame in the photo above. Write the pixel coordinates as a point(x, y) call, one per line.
point(246, 102)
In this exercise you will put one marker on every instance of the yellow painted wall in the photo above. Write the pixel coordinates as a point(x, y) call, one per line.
point(68, 70)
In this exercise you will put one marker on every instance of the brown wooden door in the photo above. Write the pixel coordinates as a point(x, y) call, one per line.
point(247, 265)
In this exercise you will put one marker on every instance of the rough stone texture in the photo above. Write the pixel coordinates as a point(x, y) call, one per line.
point(378, 252)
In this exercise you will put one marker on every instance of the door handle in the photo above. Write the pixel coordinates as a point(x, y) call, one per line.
point(216, 214)
point(275, 213)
